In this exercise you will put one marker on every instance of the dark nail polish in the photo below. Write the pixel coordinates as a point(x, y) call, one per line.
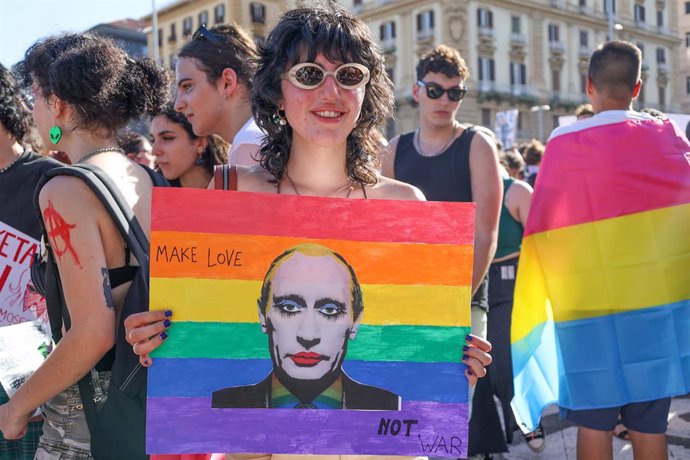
point(469, 337)
point(168, 313)
point(164, 335)
point(465, 348)
point(469, 372)
point(464, 357)
point(167, 323)
point(147, 362)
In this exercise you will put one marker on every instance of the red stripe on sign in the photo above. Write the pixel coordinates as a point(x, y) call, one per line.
point(212, 211)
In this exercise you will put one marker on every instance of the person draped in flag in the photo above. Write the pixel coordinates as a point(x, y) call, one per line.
point(602, 301)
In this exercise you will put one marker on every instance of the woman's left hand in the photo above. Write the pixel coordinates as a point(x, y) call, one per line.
point(476, 356)
point(12, 426)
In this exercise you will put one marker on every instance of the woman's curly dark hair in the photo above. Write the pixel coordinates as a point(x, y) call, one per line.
point(14, 115)
point(299, 36)
point(105, 87)
point(216, 151)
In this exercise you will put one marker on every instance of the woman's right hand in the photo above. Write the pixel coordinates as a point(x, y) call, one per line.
point(145, 331)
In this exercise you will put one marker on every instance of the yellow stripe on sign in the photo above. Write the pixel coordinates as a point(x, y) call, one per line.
point(236, 301)
point(610, 266)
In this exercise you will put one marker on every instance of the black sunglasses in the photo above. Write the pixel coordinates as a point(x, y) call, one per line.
point(435, 91)
point(203, 33)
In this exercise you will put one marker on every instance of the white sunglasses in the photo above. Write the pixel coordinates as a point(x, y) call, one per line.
point(308, 75)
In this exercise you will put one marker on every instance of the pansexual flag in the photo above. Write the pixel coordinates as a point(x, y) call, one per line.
point(602, 312)
point(210, 251)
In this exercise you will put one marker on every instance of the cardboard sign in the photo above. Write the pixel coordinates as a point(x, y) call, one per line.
point(354, 311)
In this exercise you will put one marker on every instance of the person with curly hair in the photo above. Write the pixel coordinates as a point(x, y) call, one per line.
point(214, 73)
point(20, 170)
point(320, 93)
point(85, 90)
point(185, 159)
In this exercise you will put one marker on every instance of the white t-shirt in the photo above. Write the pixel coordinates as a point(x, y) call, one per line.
point(246, 144)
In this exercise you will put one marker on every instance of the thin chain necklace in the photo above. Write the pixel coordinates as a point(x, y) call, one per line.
point(12, 162)
point(349, 186)
point(418, 143)
point(92, 153)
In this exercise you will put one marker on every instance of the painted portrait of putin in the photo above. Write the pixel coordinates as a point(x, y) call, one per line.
point(310, 307)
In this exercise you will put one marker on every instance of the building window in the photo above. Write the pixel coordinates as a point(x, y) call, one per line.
point(660, 18)
point(487, 69)
point(556, 81)
point(160, 38)
point(173, 34)
point(391, 73)
point(553, 33)
point(219, 14)
point(187, 26)
point(606, 6)
point(583, 4)
point(357, 2)
point(661, 55)
point(172, 60)
point(203, 18)
point(584, 39)
point(485, 18)
point(641, 47)
point(662, 97)
point(639, 13)
point(486, 117)
point(687, 85)
point(687, 7)
point(387, 31)
point(518, 73)
point(687, 39)
point(516, 26)
point(425, 24)
point(258, 13)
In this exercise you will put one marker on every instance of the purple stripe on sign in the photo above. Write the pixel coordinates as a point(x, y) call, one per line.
point(190, 425)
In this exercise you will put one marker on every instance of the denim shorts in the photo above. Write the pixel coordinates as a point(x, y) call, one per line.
point(649, 417)
point(65, 432)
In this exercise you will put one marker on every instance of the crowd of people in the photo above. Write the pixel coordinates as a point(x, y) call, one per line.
point(300, 116)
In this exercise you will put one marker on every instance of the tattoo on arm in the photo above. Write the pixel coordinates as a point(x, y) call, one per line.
point(107, 291)
point(59, 233)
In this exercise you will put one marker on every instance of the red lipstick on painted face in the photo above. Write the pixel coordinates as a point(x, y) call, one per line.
point(307, 359)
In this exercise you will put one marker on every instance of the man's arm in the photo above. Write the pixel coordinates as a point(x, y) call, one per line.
point(487, 192)
point(388, 158)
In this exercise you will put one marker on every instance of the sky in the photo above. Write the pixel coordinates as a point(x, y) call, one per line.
point(22, 22)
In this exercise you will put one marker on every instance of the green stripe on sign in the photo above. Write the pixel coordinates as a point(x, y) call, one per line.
point(373, 343)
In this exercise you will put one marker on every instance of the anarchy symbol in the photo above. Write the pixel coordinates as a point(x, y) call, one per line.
point(59, 233)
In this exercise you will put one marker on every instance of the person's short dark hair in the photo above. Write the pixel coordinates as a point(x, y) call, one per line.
point(131, 141)
point(584, 110)
point(14, 114)
point(614, 69)
point(299, 36)
point(312, 250)
point(106, 87)
point(444, 60)
point(230, 47)
point(533, 152)
point(511, 159)
point(216, 151)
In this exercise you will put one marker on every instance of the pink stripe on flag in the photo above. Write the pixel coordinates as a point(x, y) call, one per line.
point(617, 169)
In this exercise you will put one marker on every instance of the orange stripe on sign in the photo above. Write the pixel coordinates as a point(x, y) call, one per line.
point(247, 257)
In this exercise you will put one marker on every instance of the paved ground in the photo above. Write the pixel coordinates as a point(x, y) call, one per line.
point(560, 438)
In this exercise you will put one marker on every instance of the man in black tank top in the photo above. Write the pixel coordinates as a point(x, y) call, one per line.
point(451, 162)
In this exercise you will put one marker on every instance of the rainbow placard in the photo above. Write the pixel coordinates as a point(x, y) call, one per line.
point(210, 251)
point(601, 316)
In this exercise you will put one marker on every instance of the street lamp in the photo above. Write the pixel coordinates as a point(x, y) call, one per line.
point(541, 109)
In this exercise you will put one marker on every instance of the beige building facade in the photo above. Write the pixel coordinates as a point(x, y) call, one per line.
point(683, 54)
point(524, 54)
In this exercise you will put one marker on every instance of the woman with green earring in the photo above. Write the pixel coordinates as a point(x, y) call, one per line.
point(85, 89)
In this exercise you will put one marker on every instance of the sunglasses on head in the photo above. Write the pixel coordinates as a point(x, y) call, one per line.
point(435, 91)
point(203, 33)
point(29, 101)
point(308, 75)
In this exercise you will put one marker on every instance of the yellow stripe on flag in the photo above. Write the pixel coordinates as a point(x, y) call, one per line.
point(236, 301)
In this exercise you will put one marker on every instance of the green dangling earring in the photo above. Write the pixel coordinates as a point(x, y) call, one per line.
point(55, 134)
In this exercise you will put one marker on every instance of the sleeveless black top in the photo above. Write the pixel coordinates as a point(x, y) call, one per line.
point(443, 177)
